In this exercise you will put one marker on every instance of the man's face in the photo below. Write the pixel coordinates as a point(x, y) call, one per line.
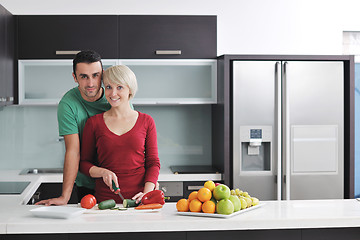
point(88, 76)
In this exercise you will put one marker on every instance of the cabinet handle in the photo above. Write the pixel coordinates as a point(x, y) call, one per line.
point(67, 52)
point(192, 188)
point(168, 52)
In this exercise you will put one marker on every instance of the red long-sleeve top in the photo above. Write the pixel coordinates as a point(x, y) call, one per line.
point(132, 156)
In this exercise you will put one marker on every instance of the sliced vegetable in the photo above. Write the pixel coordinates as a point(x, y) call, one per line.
point(155, 196)
point(130, 203)
point(107, 204)
point(88, 201)
point(149, 206)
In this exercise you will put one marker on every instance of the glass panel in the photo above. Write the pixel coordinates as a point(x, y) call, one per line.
point(184, 133)
point(29, 136)
point(42, 81)
point(174, 81)
point(46, 80)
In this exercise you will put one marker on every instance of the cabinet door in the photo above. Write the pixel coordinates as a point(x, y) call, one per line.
point(9, 60)
point(2, 56)
point(40, 37)
point(36, 77)
point(167, 37)
point(182, 81)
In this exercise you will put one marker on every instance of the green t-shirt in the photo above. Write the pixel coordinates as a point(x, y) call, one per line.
point(72, 113)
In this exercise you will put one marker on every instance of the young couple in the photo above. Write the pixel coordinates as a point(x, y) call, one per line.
point(105, 138)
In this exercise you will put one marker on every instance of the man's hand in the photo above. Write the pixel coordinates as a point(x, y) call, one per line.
point(53, 201)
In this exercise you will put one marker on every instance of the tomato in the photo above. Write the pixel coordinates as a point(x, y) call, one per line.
point(88, 201)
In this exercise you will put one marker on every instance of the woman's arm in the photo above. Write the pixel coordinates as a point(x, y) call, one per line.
point(152, 161)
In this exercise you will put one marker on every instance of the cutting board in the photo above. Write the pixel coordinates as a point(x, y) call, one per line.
point(96, 210)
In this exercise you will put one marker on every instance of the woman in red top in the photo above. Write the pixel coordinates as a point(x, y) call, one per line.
point(123, 141)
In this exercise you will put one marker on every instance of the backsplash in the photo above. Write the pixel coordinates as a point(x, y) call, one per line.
point(29, 136)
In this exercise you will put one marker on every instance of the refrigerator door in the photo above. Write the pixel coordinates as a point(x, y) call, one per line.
point(313, 146)
point(255, 130)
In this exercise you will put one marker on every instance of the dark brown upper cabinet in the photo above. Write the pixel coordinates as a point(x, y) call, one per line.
point(7, 54)
point(60, 37)
point(179, 37)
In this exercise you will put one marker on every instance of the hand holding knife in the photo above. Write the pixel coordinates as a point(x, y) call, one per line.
point(116, 189)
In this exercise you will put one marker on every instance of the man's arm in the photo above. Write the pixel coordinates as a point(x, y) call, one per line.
point(71, 167)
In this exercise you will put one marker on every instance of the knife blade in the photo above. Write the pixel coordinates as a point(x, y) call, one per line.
point(116, 188)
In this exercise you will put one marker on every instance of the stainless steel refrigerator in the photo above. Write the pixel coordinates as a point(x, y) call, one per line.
point(288, 129)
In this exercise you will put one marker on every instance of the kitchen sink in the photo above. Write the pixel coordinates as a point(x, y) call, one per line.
point(41, 171)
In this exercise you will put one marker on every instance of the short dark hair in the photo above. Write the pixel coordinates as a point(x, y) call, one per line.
point(86, 56)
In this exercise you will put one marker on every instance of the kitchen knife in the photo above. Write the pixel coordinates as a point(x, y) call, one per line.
point(116, 188)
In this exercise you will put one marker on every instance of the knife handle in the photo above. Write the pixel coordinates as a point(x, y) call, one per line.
point(114, 186)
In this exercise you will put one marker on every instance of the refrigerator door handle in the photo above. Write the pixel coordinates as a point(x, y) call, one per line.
point(286, 143)
point(278, 129)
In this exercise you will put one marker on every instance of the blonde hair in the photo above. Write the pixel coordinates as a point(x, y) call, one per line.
point(121, 74)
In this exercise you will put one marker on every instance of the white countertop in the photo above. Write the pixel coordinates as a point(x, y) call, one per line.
point(272, 215)
point(37, 179)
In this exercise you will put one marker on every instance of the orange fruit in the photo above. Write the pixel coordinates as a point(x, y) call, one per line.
point(210, 185)
point(208, 207)
point(195, 205)
point(192, 196)
point(204, 194)
point(182, 205)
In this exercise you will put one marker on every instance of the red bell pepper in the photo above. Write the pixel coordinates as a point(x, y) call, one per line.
point(155, 196)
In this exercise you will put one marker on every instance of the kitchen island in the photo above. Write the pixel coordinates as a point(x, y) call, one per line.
point(302, 219)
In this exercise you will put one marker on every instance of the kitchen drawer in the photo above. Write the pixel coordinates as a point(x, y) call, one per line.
point(166, 36)
point(40, 37)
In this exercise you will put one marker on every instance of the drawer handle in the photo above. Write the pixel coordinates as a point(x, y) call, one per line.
point(192, 188)
point(67, 52)
point(168, 52)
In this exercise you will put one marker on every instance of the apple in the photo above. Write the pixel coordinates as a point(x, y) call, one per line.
point(236, 202)
point(225, 206)
point(221, 192)
point(216, 184)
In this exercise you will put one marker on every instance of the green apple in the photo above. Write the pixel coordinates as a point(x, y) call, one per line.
point(225, 206)
point(221, 192)
point(243, 203)
point(236, 202)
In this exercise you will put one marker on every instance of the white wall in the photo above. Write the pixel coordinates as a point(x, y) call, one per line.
point(244, 26)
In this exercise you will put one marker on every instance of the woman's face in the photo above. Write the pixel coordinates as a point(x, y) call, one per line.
point(116, 94)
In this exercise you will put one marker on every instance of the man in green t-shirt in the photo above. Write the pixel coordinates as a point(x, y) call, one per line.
point(76, 106)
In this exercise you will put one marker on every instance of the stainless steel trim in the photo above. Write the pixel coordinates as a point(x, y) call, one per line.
point(278, 130)
point(168, 52)
point(287, 131)
point(67, 52)
point(191, 188)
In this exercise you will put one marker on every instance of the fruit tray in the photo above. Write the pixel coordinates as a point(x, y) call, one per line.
point(216, 215)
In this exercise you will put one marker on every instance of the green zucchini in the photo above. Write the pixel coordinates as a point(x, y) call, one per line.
point(130, 203)
point(107, 204)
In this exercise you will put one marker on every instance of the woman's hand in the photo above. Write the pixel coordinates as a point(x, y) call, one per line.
point(107, 176)
point(149, 186)
point(138, 197)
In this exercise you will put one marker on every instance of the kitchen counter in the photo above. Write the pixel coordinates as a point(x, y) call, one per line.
point(281, 215)
point(36, 179)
